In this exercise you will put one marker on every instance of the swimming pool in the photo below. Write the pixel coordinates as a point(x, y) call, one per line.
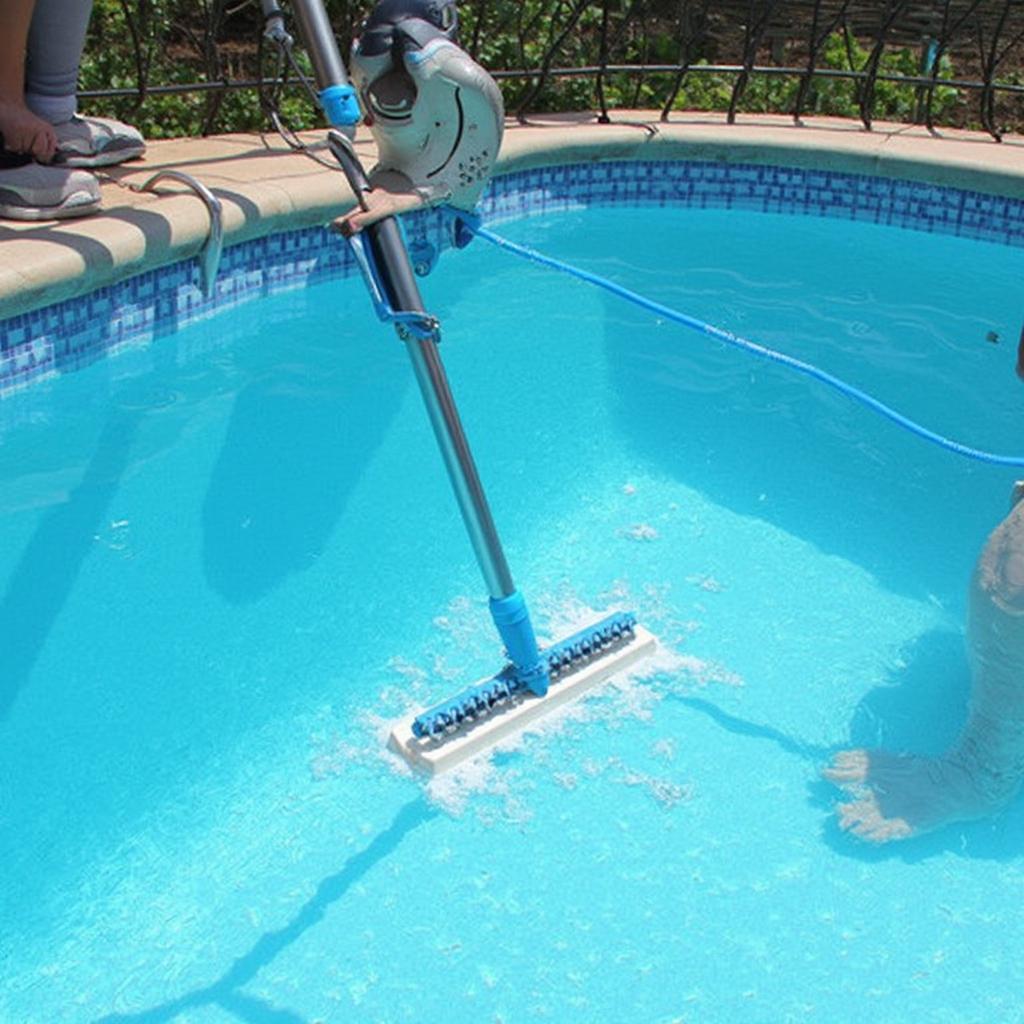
point(230, 558)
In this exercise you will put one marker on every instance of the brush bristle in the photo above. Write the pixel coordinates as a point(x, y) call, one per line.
point(439, 753)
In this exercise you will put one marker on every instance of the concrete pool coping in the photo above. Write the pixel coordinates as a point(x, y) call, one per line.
point(265, 188)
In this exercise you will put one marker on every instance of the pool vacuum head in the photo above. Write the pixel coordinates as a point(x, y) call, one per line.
point(494, 709)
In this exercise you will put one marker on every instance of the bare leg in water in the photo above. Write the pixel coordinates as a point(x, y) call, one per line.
point(896, 796)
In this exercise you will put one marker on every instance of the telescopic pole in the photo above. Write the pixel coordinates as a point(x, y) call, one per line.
point(398, 281)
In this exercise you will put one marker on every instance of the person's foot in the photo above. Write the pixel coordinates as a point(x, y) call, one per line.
point(96, 142)
point(30, 191)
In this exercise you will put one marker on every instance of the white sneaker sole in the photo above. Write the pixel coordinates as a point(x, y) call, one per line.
point(105, 158)
point(78, 204)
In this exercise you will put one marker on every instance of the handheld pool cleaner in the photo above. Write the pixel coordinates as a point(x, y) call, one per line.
point(437, 118)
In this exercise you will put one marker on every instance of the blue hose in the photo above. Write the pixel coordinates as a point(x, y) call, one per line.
point(735, 340)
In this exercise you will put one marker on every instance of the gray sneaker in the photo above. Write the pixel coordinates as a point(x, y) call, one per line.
point(38, 192)
point(96, 142)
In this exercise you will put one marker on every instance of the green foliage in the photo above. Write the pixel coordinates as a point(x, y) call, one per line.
point(705, 91)
point(170, 42)
point(164, 42)
point(830, 96)
point(892, 101)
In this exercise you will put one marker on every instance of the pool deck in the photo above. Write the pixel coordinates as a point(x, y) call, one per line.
point(265, 187)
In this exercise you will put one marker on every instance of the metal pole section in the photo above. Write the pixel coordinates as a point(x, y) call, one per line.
point(400, 282)
point(320, 43)
point(458, 460)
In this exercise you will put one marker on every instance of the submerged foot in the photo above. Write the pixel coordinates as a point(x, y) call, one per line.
point(896, 796)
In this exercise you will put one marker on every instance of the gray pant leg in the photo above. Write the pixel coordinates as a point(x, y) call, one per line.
point(56, 39)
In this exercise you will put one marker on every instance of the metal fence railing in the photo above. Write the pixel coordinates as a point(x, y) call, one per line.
point(935, 63)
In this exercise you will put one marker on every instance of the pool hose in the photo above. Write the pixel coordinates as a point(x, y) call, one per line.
point(473, 226)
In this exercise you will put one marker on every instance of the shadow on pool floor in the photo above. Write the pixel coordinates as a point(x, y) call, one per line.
point(225, 990)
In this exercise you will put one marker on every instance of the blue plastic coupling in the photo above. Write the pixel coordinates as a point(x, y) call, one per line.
point(512, 618)
point(340, 105)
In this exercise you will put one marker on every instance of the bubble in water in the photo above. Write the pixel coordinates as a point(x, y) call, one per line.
point(706, 582)
point(664, 791)
point(641, 532)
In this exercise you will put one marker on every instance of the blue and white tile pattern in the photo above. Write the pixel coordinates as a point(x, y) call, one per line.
point(72, 334)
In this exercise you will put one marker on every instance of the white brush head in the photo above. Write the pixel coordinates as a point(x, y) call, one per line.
point(435, 756)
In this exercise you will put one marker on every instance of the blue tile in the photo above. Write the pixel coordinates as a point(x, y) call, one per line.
point(77, 332)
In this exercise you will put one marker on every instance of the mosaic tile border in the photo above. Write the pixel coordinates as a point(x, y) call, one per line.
point(69, 335)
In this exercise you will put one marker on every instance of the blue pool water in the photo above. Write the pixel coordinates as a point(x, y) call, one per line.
point(233, 558)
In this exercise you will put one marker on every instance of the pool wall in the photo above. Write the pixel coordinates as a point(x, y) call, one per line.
point(70, 334)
